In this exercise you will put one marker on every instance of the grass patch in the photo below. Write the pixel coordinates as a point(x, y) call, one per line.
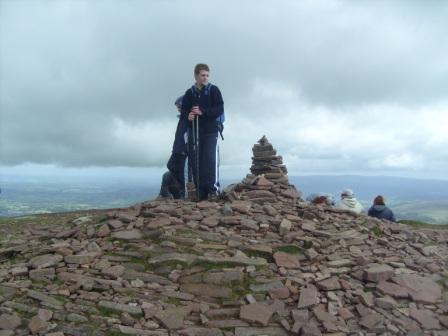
point(376, 231)
point(115, 333)
point(173, 301)
point(239, 289)
point(259, 254)
point(290, 249)
point(165, 267)
point(109, 312)
point(208, 265)
point(423, 225)
point(307, 244)
point(188, 233)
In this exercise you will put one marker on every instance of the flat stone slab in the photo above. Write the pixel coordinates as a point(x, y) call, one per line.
point(42, 274)
point(271, 331)
point(392, 289)
point(198, 331)
point(177, 257)
point(147, 277)
point(44, 298)
point(46, 260)
point(425, 317)
point(286, 260)
point(256, 313)
point(80, 259)
point(140, 332)
point(372, 321)
point(207, 290)
point(340, 263)
point(127, 234)
point(378, 272)
point(120, 307)
point(308, 296)
point(329, 284)
point(266, 287)
point(9, 321)
point(237, 261)
point(172, 318)
point(421, 289)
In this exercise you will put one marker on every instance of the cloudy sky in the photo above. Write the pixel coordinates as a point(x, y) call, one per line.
point(337, 86)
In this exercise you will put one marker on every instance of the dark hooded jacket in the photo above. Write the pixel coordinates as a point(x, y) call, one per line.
point(382, 212)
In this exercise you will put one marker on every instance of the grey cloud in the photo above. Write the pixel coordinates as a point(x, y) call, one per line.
point(70, 68)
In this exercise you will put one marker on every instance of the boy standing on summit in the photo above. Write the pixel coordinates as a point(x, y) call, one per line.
point(204, 101)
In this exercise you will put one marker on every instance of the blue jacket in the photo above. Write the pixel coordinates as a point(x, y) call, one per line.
point(382, 212)
point(209, 100)
point(180, 140)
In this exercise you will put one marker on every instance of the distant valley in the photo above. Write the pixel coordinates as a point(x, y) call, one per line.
point(416, 199)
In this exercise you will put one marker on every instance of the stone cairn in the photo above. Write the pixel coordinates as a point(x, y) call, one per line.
point(268, 181)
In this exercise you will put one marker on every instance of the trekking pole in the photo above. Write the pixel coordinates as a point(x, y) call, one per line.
point(196, 121)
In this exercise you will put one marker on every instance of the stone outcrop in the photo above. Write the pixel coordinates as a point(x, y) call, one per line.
point(261, 262)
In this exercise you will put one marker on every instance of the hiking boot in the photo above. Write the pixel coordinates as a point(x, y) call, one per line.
point(213, 197)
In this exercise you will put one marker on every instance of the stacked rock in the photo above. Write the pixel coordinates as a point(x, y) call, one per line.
point(266, 161)
point(268, 181)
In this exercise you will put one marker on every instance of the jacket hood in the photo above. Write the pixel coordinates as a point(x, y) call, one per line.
point(379, 208)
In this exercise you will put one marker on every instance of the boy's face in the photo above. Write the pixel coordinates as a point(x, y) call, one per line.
point(201, 78)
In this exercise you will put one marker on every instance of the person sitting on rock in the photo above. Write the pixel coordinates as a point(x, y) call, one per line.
point(380, 210)
point(321, 198)
point(173, 181)
point(349, 202)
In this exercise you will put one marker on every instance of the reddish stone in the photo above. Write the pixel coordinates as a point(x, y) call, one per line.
point(286, 260)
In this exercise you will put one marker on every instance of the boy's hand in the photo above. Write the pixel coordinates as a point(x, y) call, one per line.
point(194, 112)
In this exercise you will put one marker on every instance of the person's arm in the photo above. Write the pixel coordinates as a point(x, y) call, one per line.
point(186, 105)
point(217, 107)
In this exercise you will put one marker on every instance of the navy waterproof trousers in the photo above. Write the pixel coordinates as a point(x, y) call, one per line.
point(208, 163)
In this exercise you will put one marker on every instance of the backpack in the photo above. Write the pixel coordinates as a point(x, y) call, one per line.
point(220, 119)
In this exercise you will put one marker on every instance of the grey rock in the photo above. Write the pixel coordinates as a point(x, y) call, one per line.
point(207, 290)
point(421, 289)
point(308, 296)
point(329, 284)
point(133, 234)
point(72, 317)
point(377, 272)
point(121, 307)
point(256, 313)
point(46, 260)
point(271, 331)
point(42, 274)
point(9, 321)
point(425, 317)
point(44, 298)
point(80, 259)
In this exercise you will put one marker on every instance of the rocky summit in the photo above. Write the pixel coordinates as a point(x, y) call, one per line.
point(259, 262)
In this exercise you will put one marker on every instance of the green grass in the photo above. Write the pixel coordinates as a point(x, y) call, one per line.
point(376, 231)
point(173, 301)
point(109, 312)
point(259, 254)
point(423, 225)
point(307, 244)
point(290, 249)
